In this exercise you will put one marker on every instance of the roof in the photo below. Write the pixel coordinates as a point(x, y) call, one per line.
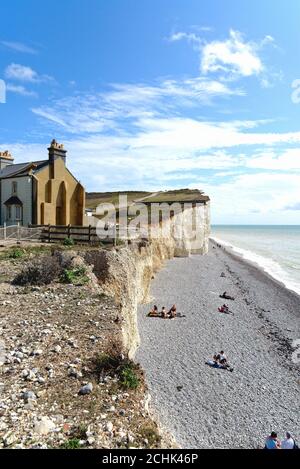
point(13, 200)
point(21, 169)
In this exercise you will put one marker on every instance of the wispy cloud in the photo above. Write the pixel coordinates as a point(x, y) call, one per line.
point(100, 112)
point(20, 89)
point(25, 74)
point(19, 47)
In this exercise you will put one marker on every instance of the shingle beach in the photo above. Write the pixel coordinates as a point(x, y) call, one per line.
point(204, 407)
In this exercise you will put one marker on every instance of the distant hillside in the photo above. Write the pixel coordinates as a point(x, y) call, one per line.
point(93, 199)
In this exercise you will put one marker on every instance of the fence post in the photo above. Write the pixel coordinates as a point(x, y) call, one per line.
point(4, 230)
point(69, 231)
point(115, 235)
point(90, 229)
point(49, 233)
point(18, 231)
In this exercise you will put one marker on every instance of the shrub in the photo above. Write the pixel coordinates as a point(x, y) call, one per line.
point(76, 276)
point(73, 443)
point(68, 242)
point(16, 253)
point(128, 376)
point(150, 432)
point(41, 271)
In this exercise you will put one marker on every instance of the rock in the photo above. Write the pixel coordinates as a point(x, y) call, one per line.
point(91, 440)
point(29, 396)
point(56, 349)
point(9, 439)
point(44, 426)
point(74, 373)
point(122, 412)
point(109, 427)
point(87, 389)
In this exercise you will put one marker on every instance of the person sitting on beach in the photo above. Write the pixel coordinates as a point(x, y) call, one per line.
point(272, 442)
point(163, 313)
point(288, 442)
point(154, 312)
point(226, 296)
point(172, 312)
point(220, 358)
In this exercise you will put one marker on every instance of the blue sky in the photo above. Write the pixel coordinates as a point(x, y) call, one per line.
point(159, 94)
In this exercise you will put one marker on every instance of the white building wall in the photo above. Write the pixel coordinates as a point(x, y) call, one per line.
point(24, 193)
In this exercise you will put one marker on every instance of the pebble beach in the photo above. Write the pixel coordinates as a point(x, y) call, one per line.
point(204, 407)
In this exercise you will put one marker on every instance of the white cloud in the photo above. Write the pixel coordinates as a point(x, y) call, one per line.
point(285, 161)
point(24, 73)
point(102, 111)
point(259, 198)
point(20, 89)
point(231, 58)
point(19, 47)
point(233, 55)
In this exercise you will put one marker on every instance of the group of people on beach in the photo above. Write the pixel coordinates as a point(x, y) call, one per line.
point(164, 314)
point(225, 308)
point(273, 442)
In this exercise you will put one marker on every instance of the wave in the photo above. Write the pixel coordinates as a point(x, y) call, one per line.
point(268, 265)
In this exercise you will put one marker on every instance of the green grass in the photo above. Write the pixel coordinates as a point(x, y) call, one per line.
point(73, 443)
point(128, 376)
point(16, 253)
point(68, 242)
point(20, 253)
point(93, 199)
point(76, 276)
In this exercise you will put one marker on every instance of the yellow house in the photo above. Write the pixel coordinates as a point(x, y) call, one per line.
point(40, 192)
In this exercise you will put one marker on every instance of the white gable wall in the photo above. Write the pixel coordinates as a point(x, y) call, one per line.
point(24, 193)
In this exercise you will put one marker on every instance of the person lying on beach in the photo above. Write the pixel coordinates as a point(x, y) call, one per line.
point(154, 312)
point(226, 296)
point(164, 313)
point(225, 309)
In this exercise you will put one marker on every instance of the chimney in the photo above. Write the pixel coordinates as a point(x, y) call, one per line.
point(5, 159)
point(56, 150)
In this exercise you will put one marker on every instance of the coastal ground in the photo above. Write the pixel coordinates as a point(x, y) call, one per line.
point(54, 340)
point(209, 408)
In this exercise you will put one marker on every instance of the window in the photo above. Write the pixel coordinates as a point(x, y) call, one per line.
point(14, 187)
point(18, 212)
point(9, 212)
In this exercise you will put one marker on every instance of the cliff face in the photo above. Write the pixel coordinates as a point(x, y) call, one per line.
point(126, 273)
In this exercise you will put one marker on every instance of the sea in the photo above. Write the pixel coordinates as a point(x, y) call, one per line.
point(275, 249)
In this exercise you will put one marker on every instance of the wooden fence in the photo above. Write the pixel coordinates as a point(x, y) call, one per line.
point(80, 234)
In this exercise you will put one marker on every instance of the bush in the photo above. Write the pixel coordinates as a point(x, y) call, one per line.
point(73, 443)
point(41, 271)
point(76, 276)
point(68, 242)
point(150, 432)
point(128, 376)
point(16, 253)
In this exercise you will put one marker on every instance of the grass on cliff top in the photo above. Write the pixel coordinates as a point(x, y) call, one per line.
point(93, 199)
point(180, 195)
point(19, 252)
